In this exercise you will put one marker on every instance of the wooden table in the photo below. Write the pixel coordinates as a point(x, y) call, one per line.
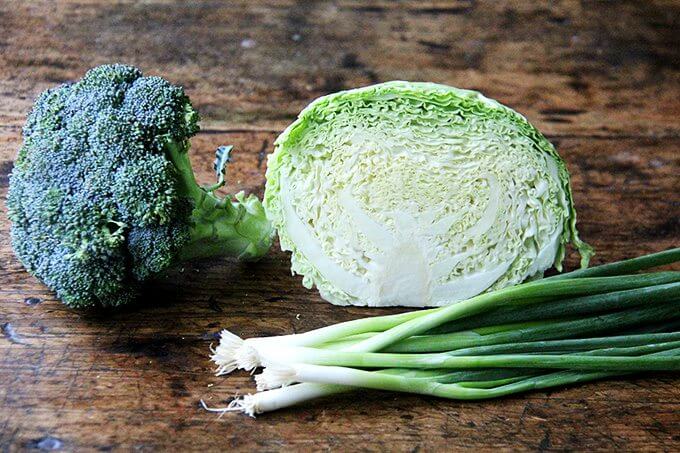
point(600, 79)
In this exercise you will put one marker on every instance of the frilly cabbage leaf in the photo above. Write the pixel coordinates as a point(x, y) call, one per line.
point(417, 194)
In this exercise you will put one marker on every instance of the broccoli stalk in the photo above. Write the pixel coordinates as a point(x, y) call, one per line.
point(218, 226)
point(102, 195)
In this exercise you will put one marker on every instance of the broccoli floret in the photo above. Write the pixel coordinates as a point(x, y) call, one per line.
point(102, 195)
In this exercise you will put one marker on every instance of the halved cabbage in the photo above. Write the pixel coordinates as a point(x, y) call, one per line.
point(417, 194)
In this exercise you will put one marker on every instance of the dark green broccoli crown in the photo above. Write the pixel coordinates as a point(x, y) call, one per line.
point(94, 202)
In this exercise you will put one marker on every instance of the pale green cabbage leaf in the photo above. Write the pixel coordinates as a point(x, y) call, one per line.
point(417, 194)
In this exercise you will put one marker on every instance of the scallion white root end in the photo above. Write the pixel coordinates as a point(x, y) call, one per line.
point(245, 404)
point(271, 400)
point(233, 353)
point(247, 357)
point(275, 376)
point(225, 353)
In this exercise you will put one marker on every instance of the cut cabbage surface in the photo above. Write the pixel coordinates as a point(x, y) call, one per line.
point(417, 194)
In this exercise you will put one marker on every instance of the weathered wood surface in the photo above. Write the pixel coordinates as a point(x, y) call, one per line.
point(601, 79)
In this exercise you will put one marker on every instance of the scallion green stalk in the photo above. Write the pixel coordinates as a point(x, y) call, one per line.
point(482, 302)
point(548, 330)
point(623, 360)
point(623, 267)
point(579, 306)
point(365, 379)
point(571, 345)
point(532, 326)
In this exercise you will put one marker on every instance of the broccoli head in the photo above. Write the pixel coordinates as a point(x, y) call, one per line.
point(102, 195)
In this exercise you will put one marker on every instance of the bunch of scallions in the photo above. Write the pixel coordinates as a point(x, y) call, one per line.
point(579, 326)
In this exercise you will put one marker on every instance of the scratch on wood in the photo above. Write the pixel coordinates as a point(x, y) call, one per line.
point(351, 61)
point(562, 111)
point(9, 333)
point(369, 9)
point(214, 305)
point(434, 45)
point(667, 228)
point(557, 119)
point(262, 153)
point(545, 443)
point(5, 169)
point(444, 10)
point(47, 443)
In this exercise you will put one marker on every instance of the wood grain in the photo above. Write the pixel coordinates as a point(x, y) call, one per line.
point(602, 80)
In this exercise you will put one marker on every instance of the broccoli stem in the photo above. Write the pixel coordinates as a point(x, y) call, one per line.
point(228, 228)
point(219, 226)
